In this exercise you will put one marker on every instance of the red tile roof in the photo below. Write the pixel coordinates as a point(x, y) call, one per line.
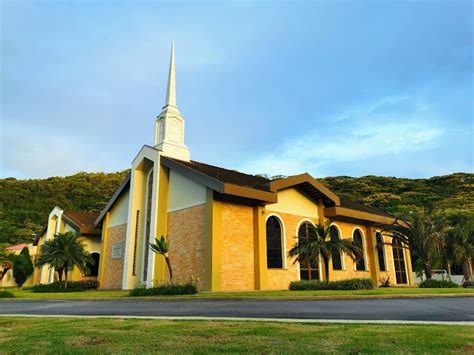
point(17, 247)
point(82, 219)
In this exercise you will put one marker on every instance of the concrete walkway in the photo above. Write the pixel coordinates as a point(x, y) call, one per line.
point(448, 309)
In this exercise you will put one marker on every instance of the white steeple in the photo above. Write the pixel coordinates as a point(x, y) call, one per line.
point(169, 125)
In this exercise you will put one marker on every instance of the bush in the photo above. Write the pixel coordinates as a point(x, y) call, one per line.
point(6, 294)
point(437, 284)
point(468, 284)
point(165, 290)
point(72, 286)
point(351, 284)
point(22, 267)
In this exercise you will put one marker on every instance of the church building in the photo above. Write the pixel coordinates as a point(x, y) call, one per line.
point(229, 231)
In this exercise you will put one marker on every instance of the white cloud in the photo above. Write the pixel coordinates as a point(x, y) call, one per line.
point(33, 153)
point(391, 126)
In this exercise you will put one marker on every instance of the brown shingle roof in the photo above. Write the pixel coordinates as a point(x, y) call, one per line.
point(363, 208)
point(228, 176)
point(82, 219)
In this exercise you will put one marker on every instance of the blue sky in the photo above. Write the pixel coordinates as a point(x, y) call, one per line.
point(331, 88)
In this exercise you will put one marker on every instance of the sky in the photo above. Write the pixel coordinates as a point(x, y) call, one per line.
point(325, 87)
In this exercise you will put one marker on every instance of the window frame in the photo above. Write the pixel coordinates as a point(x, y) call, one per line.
point(341, 252)
point(300, 224)
point(364, 255)
point(384, 253)
point(282, 241)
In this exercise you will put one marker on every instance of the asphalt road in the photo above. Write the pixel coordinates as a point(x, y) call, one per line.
point(451, 309)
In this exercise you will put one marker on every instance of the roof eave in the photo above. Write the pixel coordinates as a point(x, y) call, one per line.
point(337, 211)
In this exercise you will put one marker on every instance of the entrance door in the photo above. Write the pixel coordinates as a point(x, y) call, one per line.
point(399, 261)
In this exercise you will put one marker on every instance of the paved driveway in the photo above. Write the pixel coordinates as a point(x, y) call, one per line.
point(407, 309)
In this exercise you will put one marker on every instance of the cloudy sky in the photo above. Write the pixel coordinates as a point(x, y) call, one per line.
point(327, 87)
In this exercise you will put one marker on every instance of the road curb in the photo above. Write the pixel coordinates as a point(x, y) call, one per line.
point(245, 319)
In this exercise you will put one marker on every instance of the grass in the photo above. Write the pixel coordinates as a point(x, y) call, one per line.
point(378, 292)
point(106, 335)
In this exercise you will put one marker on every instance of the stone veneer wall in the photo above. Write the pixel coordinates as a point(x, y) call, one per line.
point(279, 279)
point(237, 247)
point(186, 232)
point(113, 269)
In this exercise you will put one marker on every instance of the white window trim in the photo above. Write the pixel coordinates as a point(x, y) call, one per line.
point(283, 239)
point(364, 250)
point(343, 256)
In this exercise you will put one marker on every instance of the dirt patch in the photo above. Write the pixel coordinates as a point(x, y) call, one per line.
point(84, 341)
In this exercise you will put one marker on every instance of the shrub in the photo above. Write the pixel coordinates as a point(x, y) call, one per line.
point(468, 284)
point(22, 267)
point(74, 286)
point(385, 282)
point(437, 284)
point(165, 290)
point(6, 294)
point(351, 284)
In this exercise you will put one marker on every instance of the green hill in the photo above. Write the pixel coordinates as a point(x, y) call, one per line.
point(25, 204)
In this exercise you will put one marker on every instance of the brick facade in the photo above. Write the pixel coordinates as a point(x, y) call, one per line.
point(186, 232)
point(237, 247)
point(113, 268)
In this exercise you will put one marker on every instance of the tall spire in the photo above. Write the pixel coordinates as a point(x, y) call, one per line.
point(171, 89)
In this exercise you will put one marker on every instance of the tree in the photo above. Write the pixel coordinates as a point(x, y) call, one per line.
point(63, 253)
point(6, 261)
point(22, 266)
point(322, 243)
point(162, 247)
point(460, 247)
point(423, 233)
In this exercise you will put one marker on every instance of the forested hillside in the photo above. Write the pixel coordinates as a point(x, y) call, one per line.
point(25, 204)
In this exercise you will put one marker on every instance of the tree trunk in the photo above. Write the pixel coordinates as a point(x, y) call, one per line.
point(168, 263)
point(60, 274)
point(326, 268)
point(65, 279)
point(467, 270)
point(427, 268)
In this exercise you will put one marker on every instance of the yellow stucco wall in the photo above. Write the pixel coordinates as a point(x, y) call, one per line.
point(293, 202)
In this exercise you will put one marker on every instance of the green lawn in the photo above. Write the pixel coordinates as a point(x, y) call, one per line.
point(105, 335)
point(379, 292)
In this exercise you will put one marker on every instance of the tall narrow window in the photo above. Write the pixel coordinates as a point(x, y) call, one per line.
point(360, 260)
point(399, 261)
point(336, 254)
point(380, 251)
point(134, 264)
point(309, 270)
point(274, 237)
point(147, 225)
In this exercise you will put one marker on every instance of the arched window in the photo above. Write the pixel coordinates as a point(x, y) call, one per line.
point(336, 254)
point(399, 261)
point(274, 237)
point(360, 260)
point(94, 267)
point(308, 271)
point(380, 251)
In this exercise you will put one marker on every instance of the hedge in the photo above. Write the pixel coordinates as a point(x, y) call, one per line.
point(351, 284)
point(72, 286)
point(437, 284)
point(6, 294)
point(165, 290)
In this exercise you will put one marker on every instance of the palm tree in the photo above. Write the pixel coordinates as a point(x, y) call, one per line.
point(64, 252)
point(423, 233)
point(162, 247)
point(322, 242)
point(6, 260)
point(460, 247)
